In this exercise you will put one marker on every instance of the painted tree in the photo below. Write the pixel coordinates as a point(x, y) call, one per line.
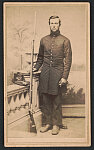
point(20, 37)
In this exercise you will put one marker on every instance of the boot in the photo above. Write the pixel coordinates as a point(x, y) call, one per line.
point(55, 130)
point(45, 128)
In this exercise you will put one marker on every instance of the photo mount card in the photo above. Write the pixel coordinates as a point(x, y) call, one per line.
point(25, 24)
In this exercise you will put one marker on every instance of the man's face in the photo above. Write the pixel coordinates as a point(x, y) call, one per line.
point(54, 24)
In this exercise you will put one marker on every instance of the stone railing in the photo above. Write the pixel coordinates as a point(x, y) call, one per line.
point(18, 97)
point(19, 102)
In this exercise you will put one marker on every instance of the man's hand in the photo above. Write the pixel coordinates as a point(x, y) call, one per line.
point(34, 69)
point(62, 81)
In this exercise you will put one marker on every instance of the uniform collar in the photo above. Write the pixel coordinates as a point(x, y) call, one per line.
point(54, 34)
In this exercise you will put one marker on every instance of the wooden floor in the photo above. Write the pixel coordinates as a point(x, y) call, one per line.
point(75, 129)
point(73, 118)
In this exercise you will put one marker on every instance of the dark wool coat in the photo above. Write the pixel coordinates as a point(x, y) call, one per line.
point(56, 56)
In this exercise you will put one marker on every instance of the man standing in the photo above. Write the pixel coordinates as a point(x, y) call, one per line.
point(56, 56)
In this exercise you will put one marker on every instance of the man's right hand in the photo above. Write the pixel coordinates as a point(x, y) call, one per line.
point(35, 70)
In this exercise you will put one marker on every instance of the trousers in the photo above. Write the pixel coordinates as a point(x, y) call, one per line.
point(51, 109)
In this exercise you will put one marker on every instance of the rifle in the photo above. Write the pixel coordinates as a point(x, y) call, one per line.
point(31, 111)
point(32, 56)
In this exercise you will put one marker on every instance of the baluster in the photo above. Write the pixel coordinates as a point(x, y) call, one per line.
point(15, 99)
point(20, 101)
point(17, 102)
point(8, 103)
point(17, 105)
point(12, 104)
point(12, 109)
point(23, 102)
point(27, 100)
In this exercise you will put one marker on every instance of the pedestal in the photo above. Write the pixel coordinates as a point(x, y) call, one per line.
point(36, 112)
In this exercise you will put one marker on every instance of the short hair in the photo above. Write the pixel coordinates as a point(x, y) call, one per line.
point(53, 17)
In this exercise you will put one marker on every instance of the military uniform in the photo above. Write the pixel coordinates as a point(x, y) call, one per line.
point(56, 56)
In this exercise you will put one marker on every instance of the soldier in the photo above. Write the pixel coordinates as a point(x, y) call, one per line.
point(55, 56)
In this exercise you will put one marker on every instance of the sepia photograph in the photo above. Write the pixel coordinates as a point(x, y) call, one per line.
point(47, 74)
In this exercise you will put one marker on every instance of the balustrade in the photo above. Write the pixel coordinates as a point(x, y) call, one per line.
point(19, 102)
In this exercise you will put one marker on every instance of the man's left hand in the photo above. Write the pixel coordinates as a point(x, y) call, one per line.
point(62, 81)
